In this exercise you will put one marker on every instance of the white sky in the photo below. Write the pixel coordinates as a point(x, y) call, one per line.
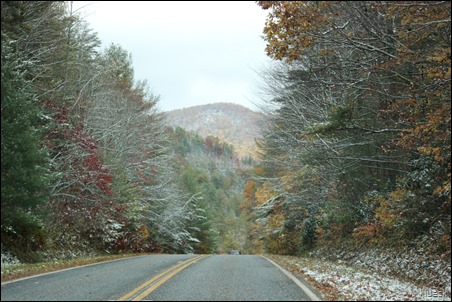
point(191, 52)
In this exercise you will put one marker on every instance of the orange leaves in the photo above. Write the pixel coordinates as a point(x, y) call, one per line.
point(398, 55)
point(144, 233)
point(385, 219)
point(418, 19)
point(386, 215)
point(438, 65)
point(366, 232)
point(438, 72)
point(292, 26)
point(276, 221)
point(430, 151)
point(250, 189)
point(249, 196)
point(421, 29)
point(266, 4)
point(442, 55)
point(432, 137)
point(265, 193)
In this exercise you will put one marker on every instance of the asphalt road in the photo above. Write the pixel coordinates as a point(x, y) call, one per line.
point(164, 278)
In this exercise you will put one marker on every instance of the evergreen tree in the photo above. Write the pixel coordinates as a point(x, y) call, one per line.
point(25, 174)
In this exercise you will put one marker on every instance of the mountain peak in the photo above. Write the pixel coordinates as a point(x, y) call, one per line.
point(217, 106)
point(232, 123)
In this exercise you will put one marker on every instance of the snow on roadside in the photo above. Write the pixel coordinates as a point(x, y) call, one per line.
point(350, 283)
point(8, 258)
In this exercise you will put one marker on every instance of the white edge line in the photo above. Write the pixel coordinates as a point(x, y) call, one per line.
point(69, 268)
point(309, 292)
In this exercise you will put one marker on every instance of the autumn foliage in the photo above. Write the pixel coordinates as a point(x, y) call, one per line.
point(83, 204)
point(87, 164)
point(363, 104)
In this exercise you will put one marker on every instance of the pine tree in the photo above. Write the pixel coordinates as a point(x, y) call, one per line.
point(25, 174)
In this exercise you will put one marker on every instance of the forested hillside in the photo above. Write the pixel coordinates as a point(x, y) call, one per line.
point(88, 162)
point(231, 123)
point(358, 147)
point(212, 174)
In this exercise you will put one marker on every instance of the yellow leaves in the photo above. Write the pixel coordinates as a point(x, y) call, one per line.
point(276, 221)
point(432, 136)
point(385, 214)
point(439, 72)
point(434, 152)
point(442, 56)
point(264, 193)
point(441, 64)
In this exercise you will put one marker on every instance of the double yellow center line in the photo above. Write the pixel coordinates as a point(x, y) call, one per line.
point(149, 286)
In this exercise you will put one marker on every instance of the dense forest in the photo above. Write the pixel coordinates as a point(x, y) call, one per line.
point(356, 146)
point(89, 165)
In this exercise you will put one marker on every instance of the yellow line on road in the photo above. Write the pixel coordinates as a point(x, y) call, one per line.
point(152, 284)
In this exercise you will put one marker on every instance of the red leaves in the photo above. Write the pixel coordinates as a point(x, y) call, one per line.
point(98, 174)
point(82, 150)
point(83, 205)
point(88, 164)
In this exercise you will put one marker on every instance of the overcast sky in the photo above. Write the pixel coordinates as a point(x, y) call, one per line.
point(191, 53)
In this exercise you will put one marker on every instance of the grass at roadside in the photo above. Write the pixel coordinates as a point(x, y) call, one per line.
point(21, 270)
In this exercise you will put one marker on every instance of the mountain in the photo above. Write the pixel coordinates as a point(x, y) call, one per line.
point(232, 123)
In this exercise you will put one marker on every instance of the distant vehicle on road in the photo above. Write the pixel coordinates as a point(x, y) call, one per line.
point(234, 252)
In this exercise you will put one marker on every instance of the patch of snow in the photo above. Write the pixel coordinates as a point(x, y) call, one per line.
point(415, 264)
point(353, 283)
point(8, 258)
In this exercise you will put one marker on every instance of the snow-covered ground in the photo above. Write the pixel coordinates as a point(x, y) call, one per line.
point(8, 258)
point(337, 281)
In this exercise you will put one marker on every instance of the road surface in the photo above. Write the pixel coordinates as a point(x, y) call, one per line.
point(165, 278)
